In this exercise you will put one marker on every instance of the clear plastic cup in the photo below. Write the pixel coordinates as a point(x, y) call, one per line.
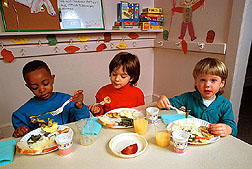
point(140, 124)
point(162, 135)
point(85, 128)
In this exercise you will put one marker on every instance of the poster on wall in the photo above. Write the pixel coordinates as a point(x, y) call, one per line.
point(50, 15)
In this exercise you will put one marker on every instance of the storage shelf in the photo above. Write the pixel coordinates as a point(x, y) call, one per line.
point(71, 32)
point(219, 48)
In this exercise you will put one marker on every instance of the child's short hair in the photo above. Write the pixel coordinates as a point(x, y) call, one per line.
point(130, 64)
point(34, 65)
point(212, 66)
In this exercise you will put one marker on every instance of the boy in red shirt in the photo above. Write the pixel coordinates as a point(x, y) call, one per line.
point(124, 71)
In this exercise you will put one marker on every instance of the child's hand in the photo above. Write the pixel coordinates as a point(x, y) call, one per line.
point(94, 109)
point(78, 99)
point(220, 129)
point(163, 102)
point(20, 131)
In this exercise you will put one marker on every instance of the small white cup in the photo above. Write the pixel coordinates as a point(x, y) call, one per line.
point(152, 114)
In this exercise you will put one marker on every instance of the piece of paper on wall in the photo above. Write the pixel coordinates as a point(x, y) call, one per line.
point(7, 55)
point(80, 14)
point(37, 6)
point(19, 40)
point(71, 49)
point(83, 38)
point(51, 39)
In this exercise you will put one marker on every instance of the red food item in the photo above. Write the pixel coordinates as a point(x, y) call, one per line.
point(131, 149)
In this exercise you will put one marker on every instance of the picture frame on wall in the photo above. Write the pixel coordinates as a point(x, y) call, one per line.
point(52, 15)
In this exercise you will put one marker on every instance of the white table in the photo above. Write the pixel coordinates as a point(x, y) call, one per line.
point(229, 152)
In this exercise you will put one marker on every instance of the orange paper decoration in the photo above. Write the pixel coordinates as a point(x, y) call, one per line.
point(101, 47)
point(7, 55)
point(71, 49)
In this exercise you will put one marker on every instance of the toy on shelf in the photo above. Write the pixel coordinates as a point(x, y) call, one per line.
point(127, 16)
point(151, 19)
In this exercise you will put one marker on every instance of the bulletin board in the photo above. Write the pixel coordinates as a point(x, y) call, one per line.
point(48, 15)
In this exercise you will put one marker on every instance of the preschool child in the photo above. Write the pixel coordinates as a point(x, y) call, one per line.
point(206, 102)
point(37, 111)
point(124, 72)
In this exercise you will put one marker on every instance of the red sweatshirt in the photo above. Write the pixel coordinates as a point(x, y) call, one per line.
point(126, 97)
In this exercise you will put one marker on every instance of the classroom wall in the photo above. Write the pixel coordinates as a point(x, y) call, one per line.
point(231, 21)
point(87, 71)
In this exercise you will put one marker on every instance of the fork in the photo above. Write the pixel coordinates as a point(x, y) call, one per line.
point(60, 109)
point(101, 103)
point(178, 111)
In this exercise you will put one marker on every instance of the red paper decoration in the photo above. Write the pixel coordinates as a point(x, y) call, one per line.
point(101, 47)
point(133, 35)
point(71, 49)
point(184, 46)
point(7, 55)
point(107, 36)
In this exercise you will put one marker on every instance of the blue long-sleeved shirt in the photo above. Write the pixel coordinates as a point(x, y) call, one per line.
point(36, 112)
point(219, 111)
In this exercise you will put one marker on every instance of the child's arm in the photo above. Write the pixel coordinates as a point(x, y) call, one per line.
point(95, 109)
point(220, 129)
point(20, 131)
point(163, 102)
point(78, 99)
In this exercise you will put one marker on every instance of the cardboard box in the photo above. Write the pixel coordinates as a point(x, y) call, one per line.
point(151, 26)
point(126, 27)
point(152, 10)
point(127, 12)
point(155, 19)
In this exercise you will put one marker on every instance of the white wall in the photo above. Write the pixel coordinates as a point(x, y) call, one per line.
point(231, 21)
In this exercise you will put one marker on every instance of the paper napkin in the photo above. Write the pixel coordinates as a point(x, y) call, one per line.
point(97, 126)
point(7, 150)
point(172, 117)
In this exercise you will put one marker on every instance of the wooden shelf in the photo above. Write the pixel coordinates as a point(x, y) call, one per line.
point(72, 32)
point(219, 48)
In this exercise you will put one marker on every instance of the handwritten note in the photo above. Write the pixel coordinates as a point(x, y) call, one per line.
point(75, 14)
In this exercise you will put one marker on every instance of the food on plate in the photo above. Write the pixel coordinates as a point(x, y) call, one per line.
point(107, 100)
point(38, 144)
point(131, 149)
point(113, 115)
point(106, 122)
point(198, 133)
point(117, 118)
point(66, 130)
point(126, 113)
point(51, 127)
point(125, 121)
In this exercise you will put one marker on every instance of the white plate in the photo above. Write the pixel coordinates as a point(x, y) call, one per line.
point(119, 142)
point(117, 120)
point(41, 132)
point(197, 121)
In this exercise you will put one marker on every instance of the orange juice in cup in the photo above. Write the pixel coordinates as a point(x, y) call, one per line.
point(162, 136)
point(163, 139)
point(140, 124)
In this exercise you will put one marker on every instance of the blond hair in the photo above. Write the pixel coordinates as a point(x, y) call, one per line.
point(211, 66)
